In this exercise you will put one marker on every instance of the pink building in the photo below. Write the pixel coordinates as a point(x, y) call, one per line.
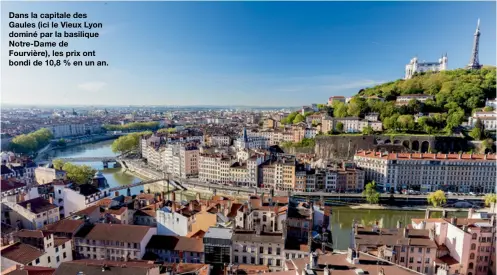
point(465, 245)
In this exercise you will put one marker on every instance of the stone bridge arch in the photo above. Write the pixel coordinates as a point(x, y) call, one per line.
point(415, 145)
point(425, 146)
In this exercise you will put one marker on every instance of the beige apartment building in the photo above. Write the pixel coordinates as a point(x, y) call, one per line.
point(415, 249)
point(115, 242)
point(429, 172)
point(189, 157)
point(259, 248)
point(214, 168)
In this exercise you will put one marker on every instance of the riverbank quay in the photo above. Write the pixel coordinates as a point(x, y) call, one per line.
point(72, 143)
point(409, 208)
point(387, 201)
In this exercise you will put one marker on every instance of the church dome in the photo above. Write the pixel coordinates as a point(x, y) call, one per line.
point(98, 175)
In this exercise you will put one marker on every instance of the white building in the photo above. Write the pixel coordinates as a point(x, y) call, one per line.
point(488, 119)
point(45, 175)
point(115, 242)
point(37, 248)
point(11, 190)
point(218, 140)
point(415, 66)
point(491, 103)
point(32, 214)
point(171, 223)
point(404, 99)
point(429, 172)
point(74, 129)
point(259, 248)
point(214, 168)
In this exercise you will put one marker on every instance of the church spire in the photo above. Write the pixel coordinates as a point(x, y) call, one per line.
point(474, 63)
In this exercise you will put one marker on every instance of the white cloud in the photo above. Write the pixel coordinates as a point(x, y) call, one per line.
point(93, 87)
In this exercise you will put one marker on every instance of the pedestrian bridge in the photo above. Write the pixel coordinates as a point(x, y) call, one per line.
point(173, 183)
point(88, 159)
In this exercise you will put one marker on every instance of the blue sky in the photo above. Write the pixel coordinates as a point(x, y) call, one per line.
point(247, 53)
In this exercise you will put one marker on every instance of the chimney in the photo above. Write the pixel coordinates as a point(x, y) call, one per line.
point(471, 212)
point(427, 213)
point(444, 213)
point(410, 155)
point(28, 206)
point(50, 200)
point(460, 156)
point(399, 224)
point(198, 197)
point(190, 206)
point(326, 269)
point(485, 157)
point(453, 220)
point(173, 207)
point(465, 228)
point(406, 232)
point(116, 194)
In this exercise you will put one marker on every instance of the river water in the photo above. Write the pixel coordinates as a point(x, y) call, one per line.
point(341, 219)
point(115, 176)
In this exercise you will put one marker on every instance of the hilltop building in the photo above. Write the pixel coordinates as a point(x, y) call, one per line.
point(415, 66)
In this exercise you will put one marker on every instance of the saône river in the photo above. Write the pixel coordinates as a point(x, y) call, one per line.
point(341, 219)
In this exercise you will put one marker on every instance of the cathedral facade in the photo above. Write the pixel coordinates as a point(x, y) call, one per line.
point(418, 67)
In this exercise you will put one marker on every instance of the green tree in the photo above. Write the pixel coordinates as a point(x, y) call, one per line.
point(289, 119)
point(368, 130)
point(298, 118)
point(79, 174)
point(477, 131)
point(133, 126)
point(437, 198)
point(356, 107)
point(487, 144)
point(339, 109)
point(128, 142)
point(58, 164)
point(339, 126)
point(406, 122)
point(29, 143)
point(488, 109)
point(372, 196)
point(489, 199)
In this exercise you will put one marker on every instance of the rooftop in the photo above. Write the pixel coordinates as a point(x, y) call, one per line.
point(38, 205)
point(117, 232)
point(339, 265)
point(176, 243)
point(21, 253)
point(219, 233)
point(426, 156)
point(110, 267)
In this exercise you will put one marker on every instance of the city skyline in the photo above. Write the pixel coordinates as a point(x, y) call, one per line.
point(248, 54)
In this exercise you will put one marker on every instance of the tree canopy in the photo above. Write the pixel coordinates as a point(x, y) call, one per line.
point(437, 198)
point(457, 93)
point(29, 143)
point(79, 174)
point(372, 196)
point(133, 126)
point(128, 142)
point(490, 198)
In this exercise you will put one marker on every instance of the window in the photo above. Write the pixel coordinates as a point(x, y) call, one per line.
point(427, 260)
point(63, 246)
point(412, 249)
point(426, 270)
point(64, 255)
point(402, 259)
point(261, 249)
point(473, 246)
point(428, 250)
point(57, 249)
point(411, 259)
point(57, 259)
point(37, 261)
point(278, 251)
point(403, 249)
point(244, 259)
point(474, 236)
point(420, 250)
point(472, 256)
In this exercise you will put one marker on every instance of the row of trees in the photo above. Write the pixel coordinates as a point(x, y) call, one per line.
point(79, 174)
point(306, 142)
point(436, 199)
point(133, 126)
point(293, 118)
point(128, 142)
point(32, 142)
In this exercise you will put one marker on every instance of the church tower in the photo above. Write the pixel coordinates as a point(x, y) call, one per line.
point(474, 63)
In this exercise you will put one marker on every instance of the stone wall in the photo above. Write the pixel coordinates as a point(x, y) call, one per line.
point(344, 147)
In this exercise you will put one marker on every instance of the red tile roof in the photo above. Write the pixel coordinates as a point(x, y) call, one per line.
point(118, 232)
point(21, 253)
point(426, 156)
